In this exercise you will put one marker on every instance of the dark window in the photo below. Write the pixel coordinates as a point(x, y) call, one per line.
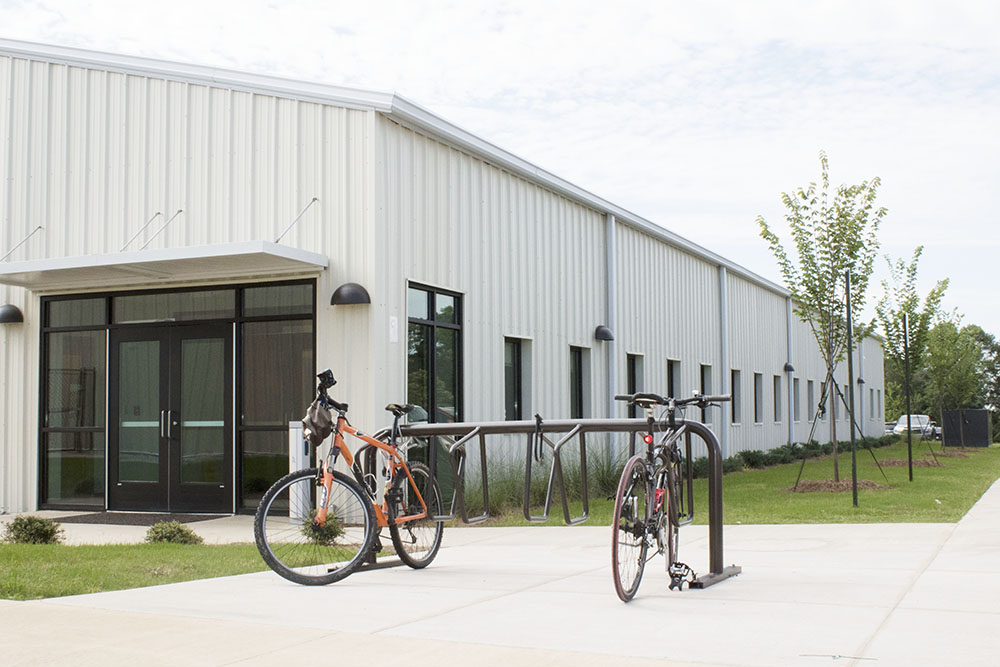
point(810, 399)
point(576, 383)
point(777, 398)
point(824, 400)
point(796, 403)
point(736, 405)
point(634, 379)
point(276, 300)
point(174, 306)
point(673, 378)
point(512, 380)
point(706, 388)
point(434, 355)
point(758, 398)
point(75, 313)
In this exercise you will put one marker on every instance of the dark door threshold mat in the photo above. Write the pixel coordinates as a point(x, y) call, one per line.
point(135, 518)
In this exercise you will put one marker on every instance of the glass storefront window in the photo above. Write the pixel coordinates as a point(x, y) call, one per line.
point(75, 375)
point(76, 313)
point(278, 300)
point(277, 372)
point(74, 465)
point(174, 306)
point(265, 459)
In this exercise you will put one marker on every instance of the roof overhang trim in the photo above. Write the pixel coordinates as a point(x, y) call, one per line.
point(248, 260)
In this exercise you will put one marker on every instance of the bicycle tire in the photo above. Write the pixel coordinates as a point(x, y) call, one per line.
point(297, 551)
point(416, 542)
point(629, 528)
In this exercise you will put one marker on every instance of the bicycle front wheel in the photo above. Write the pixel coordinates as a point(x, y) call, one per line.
point(314, 555)
point(416, 542)
point(629, 526)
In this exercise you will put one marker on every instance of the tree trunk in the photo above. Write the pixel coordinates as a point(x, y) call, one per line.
point(833, 428)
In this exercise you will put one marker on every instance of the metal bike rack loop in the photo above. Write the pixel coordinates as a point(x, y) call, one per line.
point(459, 434)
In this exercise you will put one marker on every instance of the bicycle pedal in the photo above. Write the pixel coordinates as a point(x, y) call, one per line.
point(679, 573)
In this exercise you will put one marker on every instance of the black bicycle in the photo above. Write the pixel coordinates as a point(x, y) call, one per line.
point(650, 506)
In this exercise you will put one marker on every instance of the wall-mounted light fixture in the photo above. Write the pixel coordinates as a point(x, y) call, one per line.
point(350, 293)
point(603, 333)
point(789, 368)
point(861, 380)
point(10, 314)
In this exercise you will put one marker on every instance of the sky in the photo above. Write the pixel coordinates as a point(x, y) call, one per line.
point(694, 115)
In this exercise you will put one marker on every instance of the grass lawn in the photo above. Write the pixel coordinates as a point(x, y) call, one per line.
point(33, 571)
point(936, 495)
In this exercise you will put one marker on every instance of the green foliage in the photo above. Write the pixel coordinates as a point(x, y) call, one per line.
point(954, 368)
point(325, 535)
point(29, 529)
point(832, 234)
point(173, 532)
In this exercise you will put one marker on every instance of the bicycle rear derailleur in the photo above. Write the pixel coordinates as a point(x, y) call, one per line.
point(679, 573)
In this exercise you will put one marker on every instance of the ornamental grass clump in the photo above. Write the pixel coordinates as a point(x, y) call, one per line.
point(325, 535)
point(33, 530)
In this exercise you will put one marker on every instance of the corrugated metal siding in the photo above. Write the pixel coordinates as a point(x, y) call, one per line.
point(93, 154)
point(529, 263)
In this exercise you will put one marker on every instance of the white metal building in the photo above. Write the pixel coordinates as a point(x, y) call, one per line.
point(166, 337)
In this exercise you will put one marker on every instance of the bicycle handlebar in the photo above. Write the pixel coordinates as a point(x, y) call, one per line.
point(702, 400)
point(326, 380)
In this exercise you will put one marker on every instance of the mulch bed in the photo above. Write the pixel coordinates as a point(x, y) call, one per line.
point(917, 463)
point(829, 486)
point(952, 453)
point(133, 518)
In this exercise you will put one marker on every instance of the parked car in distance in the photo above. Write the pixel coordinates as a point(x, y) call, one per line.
point(919, 424)
point(888, 428)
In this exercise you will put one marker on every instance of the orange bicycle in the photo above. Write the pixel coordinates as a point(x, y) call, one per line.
point(317, 525)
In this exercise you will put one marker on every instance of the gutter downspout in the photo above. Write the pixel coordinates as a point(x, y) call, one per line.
point(788, 372)
point(611, 320)
point(724, 426)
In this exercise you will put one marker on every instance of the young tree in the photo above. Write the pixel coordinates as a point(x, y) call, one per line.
point(954, 368)
point(898, 298)
point(832, 233)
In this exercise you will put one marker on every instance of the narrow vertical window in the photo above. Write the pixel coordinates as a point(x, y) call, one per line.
point(634, 379)
point(758, 398)
point(810, 400)
point(673, 377)
point(777, 398)
point(796, 405)
point(705, 388)
point(871, 402)
point(513, 381)
point(579, 382)
point(823, 397)
point(736, 405)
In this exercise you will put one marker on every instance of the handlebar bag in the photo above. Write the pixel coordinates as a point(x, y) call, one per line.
point(317, 424)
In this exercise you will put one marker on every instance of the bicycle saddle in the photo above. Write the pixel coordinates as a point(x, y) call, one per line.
point(399, 410)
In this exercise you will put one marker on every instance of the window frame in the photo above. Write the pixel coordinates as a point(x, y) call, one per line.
point(434, 325)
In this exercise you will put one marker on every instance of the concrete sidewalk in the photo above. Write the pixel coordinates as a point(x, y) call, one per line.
point(886, 594)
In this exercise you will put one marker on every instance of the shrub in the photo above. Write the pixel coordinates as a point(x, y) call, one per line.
point(325, 535)
point(753, 458)
point(174, 532)
point(29, 529)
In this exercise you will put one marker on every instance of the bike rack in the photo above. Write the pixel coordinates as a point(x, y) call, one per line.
point(460, 434)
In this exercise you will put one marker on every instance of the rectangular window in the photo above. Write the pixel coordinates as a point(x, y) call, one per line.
point(673, 378)
point(634, 379)
point(824, 400)
point(777, 398)
point(878, 402)
point(796, 403)
point(871, 402)
point(512, 379)
point(736, 405)
point(705, 388)
point(758, 398)
point(434, 354)
point(579, 382)
point(810, 400)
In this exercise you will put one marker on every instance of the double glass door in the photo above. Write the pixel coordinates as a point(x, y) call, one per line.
point(171, 418)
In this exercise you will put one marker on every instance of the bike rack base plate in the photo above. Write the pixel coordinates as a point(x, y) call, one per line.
point(715, 577)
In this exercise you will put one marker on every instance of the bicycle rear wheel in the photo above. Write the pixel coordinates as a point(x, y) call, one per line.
point(416, 542)
point(307, 554)
point(629, 528)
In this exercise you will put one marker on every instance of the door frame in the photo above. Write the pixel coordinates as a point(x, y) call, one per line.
point(169, 493)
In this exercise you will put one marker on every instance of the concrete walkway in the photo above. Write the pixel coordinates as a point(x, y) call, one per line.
point(876, 594)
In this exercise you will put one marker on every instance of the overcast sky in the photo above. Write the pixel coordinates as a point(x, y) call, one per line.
point(694, 115)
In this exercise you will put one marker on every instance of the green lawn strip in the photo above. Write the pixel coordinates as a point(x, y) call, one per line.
point(34, 571)
point(936, 495)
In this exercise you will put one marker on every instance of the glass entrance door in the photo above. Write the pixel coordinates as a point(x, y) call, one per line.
point(170, 427)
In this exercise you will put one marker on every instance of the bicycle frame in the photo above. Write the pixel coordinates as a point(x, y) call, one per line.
point(395, 463)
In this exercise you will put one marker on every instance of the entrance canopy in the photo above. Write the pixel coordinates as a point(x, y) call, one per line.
point(246, 259)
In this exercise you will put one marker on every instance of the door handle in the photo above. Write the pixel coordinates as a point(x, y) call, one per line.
point(162, 421)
